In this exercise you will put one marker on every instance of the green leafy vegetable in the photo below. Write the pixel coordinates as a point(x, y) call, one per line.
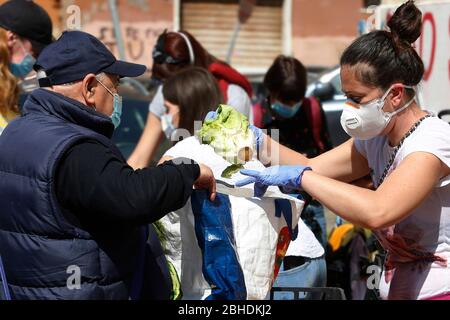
point(229, 135)
point(229, 171)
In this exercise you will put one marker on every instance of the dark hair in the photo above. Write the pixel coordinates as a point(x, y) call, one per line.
point(286, 79)
point(196, 92)
point(176, 47)
point(381, 58)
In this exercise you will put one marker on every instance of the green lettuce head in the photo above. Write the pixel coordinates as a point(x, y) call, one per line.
point(229, 135)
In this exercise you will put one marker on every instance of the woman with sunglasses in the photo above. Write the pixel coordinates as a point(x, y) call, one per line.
point(175, 51)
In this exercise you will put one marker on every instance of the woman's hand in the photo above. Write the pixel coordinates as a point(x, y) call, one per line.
point(259, 136)
point(282, 176)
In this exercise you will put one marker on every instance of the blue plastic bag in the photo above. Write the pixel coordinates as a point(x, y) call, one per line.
point(214, 231)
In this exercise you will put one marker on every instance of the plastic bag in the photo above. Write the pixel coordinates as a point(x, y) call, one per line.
point(247, 231)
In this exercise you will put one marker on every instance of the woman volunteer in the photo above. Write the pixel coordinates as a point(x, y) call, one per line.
point(405, 149)
point(175, 51)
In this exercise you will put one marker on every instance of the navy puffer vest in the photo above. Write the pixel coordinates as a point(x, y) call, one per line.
point(42, 244)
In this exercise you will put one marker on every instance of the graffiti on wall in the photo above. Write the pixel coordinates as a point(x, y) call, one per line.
point(139, 35)
point(138, 39)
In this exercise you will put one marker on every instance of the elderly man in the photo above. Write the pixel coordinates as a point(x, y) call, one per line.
point(74, 216)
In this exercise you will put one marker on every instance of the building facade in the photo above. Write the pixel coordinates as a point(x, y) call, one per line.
point(316, 32)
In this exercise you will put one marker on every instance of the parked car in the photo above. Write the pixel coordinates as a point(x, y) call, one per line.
point(329, 90)
point(134, 116)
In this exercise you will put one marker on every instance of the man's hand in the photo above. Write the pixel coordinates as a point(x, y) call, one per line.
point(207, 181)
point(164, 159)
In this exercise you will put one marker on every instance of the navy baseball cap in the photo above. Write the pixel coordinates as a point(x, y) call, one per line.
point(76, 54)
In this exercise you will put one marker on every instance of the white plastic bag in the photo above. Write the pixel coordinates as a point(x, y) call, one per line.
point(256, 228)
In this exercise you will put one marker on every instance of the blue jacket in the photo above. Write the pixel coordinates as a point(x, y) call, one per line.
point(43, 247)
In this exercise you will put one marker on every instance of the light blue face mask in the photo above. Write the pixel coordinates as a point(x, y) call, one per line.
point(286, 111)
point(167, 125)
point(117, 111)
point(23, 68)
point(117, 107)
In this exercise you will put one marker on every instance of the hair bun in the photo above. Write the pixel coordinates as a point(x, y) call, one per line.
point(406, 23)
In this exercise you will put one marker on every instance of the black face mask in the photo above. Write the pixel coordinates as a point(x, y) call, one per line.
point(160, 56)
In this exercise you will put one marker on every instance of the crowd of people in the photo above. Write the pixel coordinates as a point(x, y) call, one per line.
point(69, 197)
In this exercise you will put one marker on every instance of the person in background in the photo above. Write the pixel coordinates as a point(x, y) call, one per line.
point(188, 96)
point(286, 108)
point(9, 91)
point(28, 30)
point(301, 125)
point(403, 147)
point(173, 52)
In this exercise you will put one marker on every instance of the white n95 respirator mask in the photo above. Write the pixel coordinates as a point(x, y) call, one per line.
point(365, 121)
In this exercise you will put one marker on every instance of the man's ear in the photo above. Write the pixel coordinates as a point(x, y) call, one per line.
point(88, 88)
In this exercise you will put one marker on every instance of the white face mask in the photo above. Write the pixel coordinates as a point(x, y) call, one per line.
point(365, 121)
point(167, 125)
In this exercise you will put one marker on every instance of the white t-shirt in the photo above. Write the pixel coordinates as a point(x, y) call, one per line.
point(237, 98)
point(419, 246)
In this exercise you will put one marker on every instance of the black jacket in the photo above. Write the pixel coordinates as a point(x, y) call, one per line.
point(70, 202)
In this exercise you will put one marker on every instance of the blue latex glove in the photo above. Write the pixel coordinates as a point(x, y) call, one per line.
point(257, 132)
point(211, 115)
point(282, 176)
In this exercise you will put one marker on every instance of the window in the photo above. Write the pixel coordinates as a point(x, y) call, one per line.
point(213, 22)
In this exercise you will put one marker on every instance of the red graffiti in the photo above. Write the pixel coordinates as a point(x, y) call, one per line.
point(428, 18)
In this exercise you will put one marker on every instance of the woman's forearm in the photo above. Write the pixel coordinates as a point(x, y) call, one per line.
point(354, 204)
point(349, 201)
point(273, 153)
point(148, 144)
